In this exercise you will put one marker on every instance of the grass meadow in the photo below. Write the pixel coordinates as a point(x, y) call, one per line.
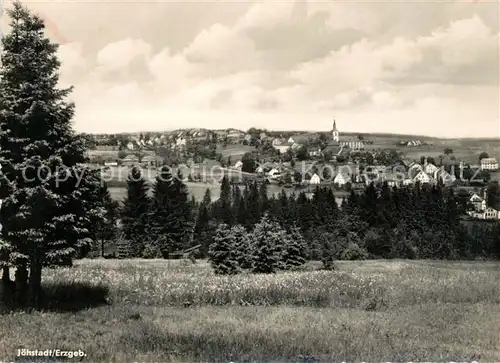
point(157, 310)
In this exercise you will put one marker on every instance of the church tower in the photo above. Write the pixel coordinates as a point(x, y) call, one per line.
point(335, 132)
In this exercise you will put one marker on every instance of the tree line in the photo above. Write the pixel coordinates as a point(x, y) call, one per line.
point(416, 222)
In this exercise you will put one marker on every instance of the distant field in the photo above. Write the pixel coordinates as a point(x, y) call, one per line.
point(171, 311)
point(114, 153)
point(235, 151)
point(198, 191)
point(466, 150)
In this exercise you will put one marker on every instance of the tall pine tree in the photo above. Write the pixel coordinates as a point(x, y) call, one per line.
point(161, 210)
point(267, 246)
point(44, 217)
point(134, 214)
point(105, 228)
point(222, 254)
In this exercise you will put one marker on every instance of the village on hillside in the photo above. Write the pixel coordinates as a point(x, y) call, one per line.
point(304, 160)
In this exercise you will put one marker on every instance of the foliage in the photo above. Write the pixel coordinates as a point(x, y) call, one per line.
point(295, 252)
point(49, 198)
point(267, 242)
point(134, 213)
point(222, 254)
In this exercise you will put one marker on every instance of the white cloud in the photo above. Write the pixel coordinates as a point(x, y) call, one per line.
point(74, 65)
point(230, 73)
point(118, 55)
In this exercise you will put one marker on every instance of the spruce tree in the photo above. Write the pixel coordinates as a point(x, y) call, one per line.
point(267, 246)
point(180, 224)
point(45, 221)
point(222, 253)
point(171, 214)
point(202, 228)
point(134, 214)
point(295, 252)
point(253, 204)
point(243, 246)
point(223, 205)
point(161, 210)
point(105, 228)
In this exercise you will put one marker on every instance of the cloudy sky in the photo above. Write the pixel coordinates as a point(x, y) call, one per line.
point(427, 68)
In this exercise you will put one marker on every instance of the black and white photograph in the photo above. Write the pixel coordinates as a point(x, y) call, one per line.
point(280, 181)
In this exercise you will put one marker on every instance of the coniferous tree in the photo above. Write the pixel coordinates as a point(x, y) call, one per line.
point(222, 253)
point(202, 229)
point(264, 200)
point(243, 246)
point(306, 213)
point(44, 220)
point(267, 245)
point(180, 224)
point(105, 228)
point(295, 252)
point(253, 205)
point(223, 205)
point(134, 214)
point(161, 207)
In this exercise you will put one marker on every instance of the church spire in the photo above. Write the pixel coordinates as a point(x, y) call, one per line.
point(335, 132)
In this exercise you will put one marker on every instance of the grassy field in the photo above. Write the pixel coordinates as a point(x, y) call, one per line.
point(463, 149)
point(198, 191)
point(170, 311)
point(235, 151)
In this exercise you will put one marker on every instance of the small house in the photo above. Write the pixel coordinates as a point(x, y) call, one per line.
point(342, 179)
point(315, 179)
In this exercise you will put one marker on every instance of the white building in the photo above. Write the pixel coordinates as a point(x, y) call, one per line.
point(342, 179)
point(238, 165)
point(490, 213)
point(274, 173)
point(489, 164)
point(180, 142)
point(130, 146)
point(430, 169)
point(315, 179)
point(424, 178)
point(478, 202)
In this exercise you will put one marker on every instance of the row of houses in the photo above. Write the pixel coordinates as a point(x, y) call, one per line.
point(179, 139)
point(132, 160)
point(411, 143)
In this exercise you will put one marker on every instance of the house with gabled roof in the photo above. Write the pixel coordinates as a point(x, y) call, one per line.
point(424, 178)
point(478, 202)
point(342, 179)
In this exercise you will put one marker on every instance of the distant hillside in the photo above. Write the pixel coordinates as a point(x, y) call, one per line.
point(394, 136)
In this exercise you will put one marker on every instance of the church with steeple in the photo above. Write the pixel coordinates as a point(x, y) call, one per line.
point(334, 144)
point(335, 132)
